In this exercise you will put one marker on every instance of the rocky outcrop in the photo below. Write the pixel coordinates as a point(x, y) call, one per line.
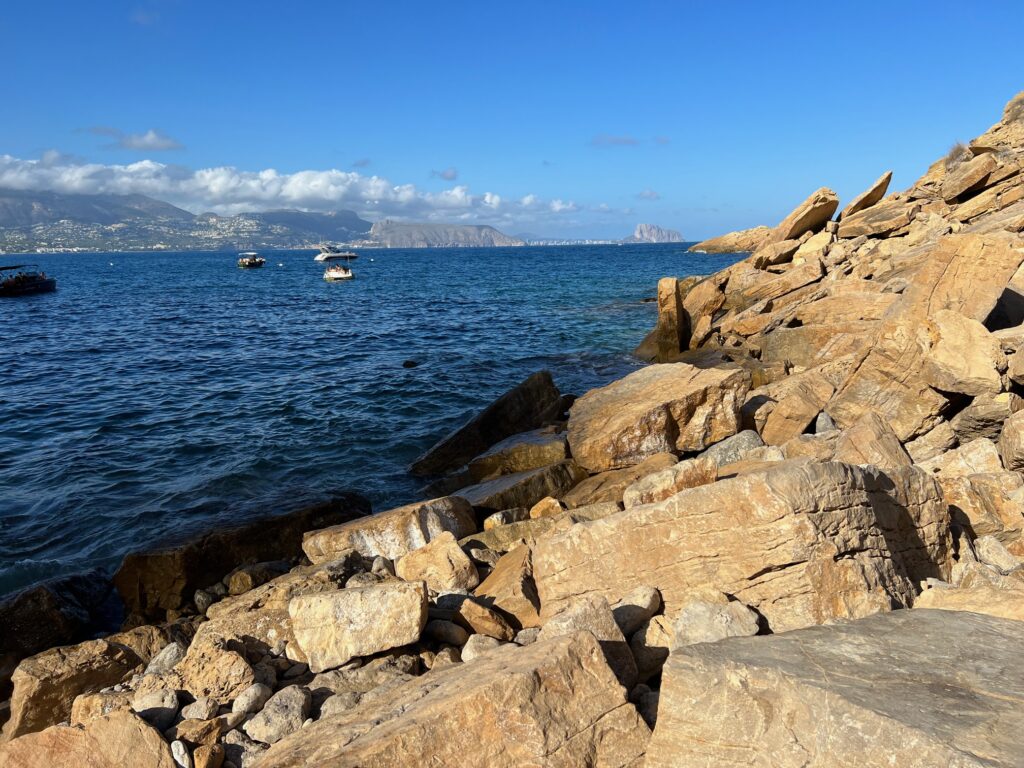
point(892, 689)
point(393, 533)
point(526, 406)
point(566, 704)
point(155, 582)
point(801, 543)
point(742, 241)
point(393, 234)
point(656, 409)
point(868, 197)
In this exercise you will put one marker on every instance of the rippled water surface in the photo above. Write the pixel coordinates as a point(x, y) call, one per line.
point(157, 394)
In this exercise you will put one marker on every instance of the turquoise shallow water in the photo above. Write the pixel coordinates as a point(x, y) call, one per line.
point(157, 394)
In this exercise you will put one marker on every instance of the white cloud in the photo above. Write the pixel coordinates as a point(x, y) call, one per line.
point(448, 174)
point(648, 194)
point(559, 206)
point(605, 140)
point(150, 141)
point(228, 190)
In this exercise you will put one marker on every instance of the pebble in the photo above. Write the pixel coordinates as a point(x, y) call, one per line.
point(180, 754)
point(166, 659)
point(252, 698)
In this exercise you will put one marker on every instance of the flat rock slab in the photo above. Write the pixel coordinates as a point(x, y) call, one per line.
point(394, 533)
point(553, 703)
point(800, 542)
point(333, 627)
point(660, 408)
point(907, 688)
point(523, 489)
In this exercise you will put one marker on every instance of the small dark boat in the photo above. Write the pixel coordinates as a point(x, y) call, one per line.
point(25, 279)
point(250, 260)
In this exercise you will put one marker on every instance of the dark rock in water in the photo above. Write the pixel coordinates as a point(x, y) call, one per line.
point(526, 406)
point(409, 364)
point(55, 612)
point(154, 582)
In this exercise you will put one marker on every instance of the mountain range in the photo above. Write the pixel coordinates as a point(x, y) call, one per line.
point(52, 221)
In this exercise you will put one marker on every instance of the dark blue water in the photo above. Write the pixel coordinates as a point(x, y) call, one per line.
point(157, 394)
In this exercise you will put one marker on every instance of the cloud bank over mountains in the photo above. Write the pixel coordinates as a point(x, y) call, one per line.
point(227, 190)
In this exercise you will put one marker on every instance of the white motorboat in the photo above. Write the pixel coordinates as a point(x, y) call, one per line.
point(335, 273)
point(330, 252)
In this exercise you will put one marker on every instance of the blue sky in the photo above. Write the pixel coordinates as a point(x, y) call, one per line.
point(554, 118)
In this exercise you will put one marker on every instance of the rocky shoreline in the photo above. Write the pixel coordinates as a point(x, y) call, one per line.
point(797, 538)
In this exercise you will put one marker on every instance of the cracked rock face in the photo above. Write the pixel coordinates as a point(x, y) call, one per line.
point(907, 688)
point(799, 542)
point(553, 703)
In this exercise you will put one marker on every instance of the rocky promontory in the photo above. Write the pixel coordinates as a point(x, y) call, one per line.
point(795, 539)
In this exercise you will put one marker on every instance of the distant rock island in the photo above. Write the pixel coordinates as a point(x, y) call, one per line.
point(652, 233)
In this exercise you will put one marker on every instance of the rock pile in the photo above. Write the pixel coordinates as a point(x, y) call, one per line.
point(795, 539)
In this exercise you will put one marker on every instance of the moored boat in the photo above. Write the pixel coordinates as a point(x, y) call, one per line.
point(330, 252)
point(250, 260)
point(24, 280)
point(335, 273)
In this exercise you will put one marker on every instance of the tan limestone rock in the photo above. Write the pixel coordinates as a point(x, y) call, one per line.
point(46, 685)
point(1003, 603)
point(979, 455)
point(661, 408)
point(89, 706)
point(394, 533)
point(510, 589)
point(772, 254)
point(476, 616)
point(871, 441)
point(809, 216)
point(935, 441)
point(890, 689)
point(441, 564)
point(667, 482)
point(741, 241)
point(968, 175)
point(520, 453)
point(553, 703)
point(799, 542)
point(524, 489)
point(547, 507)
point(964, 357)
point(610, 486)
point(1011, 442)
point(710, 616)
point(117, 740)
point(650, 646)
point(868, 197)
point(333, 627)
point(880, 219)
point(988, 504)
point(795, 412)
point(591, 613)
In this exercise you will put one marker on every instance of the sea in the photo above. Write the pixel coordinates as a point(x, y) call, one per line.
point(157, 395)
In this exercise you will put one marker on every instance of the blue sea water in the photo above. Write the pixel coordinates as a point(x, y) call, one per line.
point(155, 395)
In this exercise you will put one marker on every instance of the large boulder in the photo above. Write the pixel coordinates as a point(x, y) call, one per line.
point(519, 453)
point(393, 533)
point(964, 357)
point(741, 241)
point(523, 489)
point(610, 486)
point(591, 613)
point(510, 588)
point(921, 688)
point(810, 216)
point(1004, 602)
point(117, 740)
point(526, 406)
point(333, 627)
point(441, 564)
point(801, 542)
point(154, 582)
point(661, 408)
point(45, 685)
point(868, 197)
point(880, 219)
point(554, 703)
